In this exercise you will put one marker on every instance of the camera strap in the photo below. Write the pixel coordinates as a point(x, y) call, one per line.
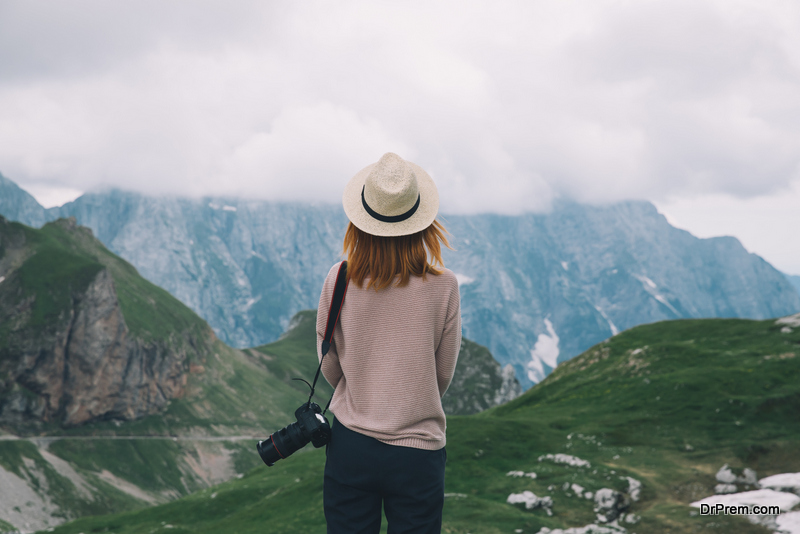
point(339, 291)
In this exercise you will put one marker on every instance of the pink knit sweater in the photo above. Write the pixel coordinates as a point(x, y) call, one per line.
point(393, 356)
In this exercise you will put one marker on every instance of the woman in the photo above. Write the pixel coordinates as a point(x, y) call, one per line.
point(393, 355)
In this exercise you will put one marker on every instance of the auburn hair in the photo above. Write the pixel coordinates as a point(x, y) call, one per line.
point(381, 259)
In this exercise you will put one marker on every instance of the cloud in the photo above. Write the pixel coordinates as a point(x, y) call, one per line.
point(507, 105)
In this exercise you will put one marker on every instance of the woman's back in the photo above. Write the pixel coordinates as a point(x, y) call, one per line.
point(395, 351)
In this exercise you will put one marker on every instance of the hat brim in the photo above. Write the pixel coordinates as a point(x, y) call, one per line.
point(422, 218)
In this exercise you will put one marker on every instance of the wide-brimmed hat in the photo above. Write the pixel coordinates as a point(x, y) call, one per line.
point(392, 197)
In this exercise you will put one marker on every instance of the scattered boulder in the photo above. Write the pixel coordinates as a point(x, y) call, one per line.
point(588, 529)
point(531, 501)
point(634, 488)
point(723, 489)
point(789, 482)
point(609, 504)
point(530, 475)
point(566, 459)
point(728, 479)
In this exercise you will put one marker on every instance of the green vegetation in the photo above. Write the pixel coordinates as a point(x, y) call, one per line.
point(666, 404)
point(150, 312)
point(294, 355)
point(61, 259)
point(24, 460)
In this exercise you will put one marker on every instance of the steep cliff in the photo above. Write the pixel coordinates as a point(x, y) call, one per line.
point(82, 337)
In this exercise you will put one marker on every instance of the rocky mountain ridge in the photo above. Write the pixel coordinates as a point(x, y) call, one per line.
point(537, 289)
point(67, 354)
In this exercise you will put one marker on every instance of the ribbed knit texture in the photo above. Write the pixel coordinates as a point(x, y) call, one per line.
point(393, 356)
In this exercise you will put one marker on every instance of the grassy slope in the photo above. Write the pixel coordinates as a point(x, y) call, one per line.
point(700, 393)
point(229, 392)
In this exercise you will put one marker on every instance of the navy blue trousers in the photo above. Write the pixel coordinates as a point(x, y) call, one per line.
point(362, 473)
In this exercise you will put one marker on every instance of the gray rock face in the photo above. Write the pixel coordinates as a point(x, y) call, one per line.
point(17, 205)
point(479, 382)
point(245, 267)
point(537, 289)
point(794, 280)
point(82, 363)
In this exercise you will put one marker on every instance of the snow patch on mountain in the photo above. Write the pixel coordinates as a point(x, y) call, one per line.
point(649, 283)
point(544, 353)
point(651, 288)
point(611, 325)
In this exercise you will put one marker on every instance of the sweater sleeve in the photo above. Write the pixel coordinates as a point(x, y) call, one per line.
point(331, 369)
point(450, 344)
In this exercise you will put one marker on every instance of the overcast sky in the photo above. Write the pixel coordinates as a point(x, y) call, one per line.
point(694, 105)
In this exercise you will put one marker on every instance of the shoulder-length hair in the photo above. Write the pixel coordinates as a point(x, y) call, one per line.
point(381, 259)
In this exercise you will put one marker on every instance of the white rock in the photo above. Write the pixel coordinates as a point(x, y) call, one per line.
point(725, 475)
point(788, 523)
point(722, 489)
point(783, 482)
point(531, 501)
point(748, 477)
point(609, 504)
point(566, 459)
point(791, 320)
point(634, 488)
point(588, 529)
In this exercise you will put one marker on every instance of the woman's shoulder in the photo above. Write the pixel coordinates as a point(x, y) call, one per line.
point(334, 269)
point(446, 278)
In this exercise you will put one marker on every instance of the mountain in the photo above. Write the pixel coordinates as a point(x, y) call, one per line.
point(621, 439)
point(17, 204)
point(537, 289)
point(794, 280)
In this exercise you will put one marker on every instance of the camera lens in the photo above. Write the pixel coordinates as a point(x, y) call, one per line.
point(282, 444)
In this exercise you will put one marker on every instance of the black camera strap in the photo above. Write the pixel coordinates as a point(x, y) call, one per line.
point(339, 291)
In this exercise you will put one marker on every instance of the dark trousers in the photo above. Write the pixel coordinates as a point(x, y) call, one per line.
point(361, 473)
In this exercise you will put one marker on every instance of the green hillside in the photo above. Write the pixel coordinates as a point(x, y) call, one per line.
point(666, 404)
point(115, 464)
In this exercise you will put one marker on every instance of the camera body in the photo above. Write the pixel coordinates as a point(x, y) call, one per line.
point(311, 426)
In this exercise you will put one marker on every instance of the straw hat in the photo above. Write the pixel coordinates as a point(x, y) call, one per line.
point(392, 197)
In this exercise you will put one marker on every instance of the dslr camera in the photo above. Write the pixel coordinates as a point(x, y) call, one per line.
point(311, 425)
